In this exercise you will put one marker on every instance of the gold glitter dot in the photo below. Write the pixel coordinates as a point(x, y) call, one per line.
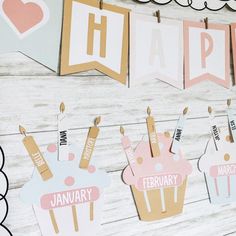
point(140, 160)
point(227, 157)
point(167, 134)
point(229, 138)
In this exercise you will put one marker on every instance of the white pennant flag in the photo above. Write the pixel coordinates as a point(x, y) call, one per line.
point(156, 50)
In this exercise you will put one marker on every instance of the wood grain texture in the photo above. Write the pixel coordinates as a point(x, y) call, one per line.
point(30, 95)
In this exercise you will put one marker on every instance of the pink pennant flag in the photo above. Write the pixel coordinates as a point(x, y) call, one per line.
point(207, 53)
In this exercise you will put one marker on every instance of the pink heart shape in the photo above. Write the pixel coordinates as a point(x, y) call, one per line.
point(24, 16)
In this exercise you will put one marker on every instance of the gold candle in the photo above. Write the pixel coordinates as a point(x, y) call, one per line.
point(90, 144)
point(36, 156)
point(87, 154)
point(41, 165)
point(153, 139)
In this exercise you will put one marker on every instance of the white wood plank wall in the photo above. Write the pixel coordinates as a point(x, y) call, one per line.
point(30, 95)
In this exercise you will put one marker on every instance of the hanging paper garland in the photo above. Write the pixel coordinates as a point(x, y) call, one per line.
point(102, 42)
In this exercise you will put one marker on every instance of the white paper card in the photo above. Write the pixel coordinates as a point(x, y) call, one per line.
point(156, 50)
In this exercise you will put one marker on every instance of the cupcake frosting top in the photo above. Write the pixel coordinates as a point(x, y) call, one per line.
point(166, 170)
point(68, 180)
point(219, 162)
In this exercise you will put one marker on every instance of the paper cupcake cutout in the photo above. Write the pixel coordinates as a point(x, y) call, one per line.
point(219, 167)
point(4, 185)
point(70, 201)
point(158, 183)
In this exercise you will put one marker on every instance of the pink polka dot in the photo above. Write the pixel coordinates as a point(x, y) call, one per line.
point(91, 169)
point(71, 156)
point(69, 181)
point(52, 148)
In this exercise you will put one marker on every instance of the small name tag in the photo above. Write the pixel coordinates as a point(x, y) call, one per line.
point(69, 198)
point(89, 148)
point(63, 138)
point(159, 181)
point(232, 124)
point(38, 159)
point(216, 133)
point(223, 170)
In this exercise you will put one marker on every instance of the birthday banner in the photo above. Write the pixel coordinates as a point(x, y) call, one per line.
point(199, 5)
point(72, 36)
point(4, 185)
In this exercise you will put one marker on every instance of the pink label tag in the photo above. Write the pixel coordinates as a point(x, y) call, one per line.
point(223, 170)
point(159, 181)
point(69, 198)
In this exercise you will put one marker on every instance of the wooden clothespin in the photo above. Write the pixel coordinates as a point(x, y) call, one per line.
point(158, 15)
point(206, 21)
point(101, 4)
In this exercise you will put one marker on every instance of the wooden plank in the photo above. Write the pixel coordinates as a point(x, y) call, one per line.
point(35, 102)
point(30, 95)
point(199, 218)
point(17, 64)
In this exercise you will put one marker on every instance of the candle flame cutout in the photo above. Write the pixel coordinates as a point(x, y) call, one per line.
point(122, 130)
point(149, 111)
point(97, 121)
point(62, 107)
point(229, 102)
point(185, 111)
point(210, 110)
point(22, 130)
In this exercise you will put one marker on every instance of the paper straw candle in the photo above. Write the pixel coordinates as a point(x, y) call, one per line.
point(41, 166)
point(131, 160)
point(62, 134)
point(88, 151)
point(152, 134)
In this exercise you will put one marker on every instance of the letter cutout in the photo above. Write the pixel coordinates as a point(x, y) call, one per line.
point(95, 38)
point(156, 50)
point(207, 53)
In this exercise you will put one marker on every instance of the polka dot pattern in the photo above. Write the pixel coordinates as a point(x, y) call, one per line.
point(69, 181)
point(91, 169)
point(52, 148)
point(227, 157)
point(140, 160)
point(159, 167)
point(71, 157)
